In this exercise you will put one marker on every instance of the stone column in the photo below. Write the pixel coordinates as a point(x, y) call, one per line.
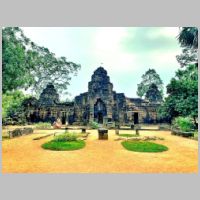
point(91, 116)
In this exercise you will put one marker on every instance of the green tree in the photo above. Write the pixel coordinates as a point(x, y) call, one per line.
point(16, 69)
point(153, 94)
point(182, 99)
point(27, 65)
point(12, 103)
point(150, 77)
point(188, 56)
point(182, 93)
point(167, 111)
point(188, 37)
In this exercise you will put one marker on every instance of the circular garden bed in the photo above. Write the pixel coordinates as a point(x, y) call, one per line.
point(64, 145)
point(65, 142)
point(143, 146)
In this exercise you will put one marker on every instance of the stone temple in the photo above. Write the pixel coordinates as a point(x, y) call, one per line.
point(100, 104)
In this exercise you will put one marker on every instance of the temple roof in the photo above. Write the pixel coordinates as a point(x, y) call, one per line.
point(100, 70)
point(49, 96)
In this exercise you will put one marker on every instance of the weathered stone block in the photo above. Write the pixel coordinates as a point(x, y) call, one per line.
point(181, 133)
point(132, 127)
point(117, 131)
point(117, 126)
point(27, 131)
point(20, 131)
point(137, 132)
point(83, 130)
point(15, 133)
point(103, 134)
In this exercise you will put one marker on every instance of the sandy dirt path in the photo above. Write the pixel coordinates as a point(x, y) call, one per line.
point(25, 155)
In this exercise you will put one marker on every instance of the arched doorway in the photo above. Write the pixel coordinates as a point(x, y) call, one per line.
point(63, 119)
point(99, 111)
point(136, 118)
point(100, 118)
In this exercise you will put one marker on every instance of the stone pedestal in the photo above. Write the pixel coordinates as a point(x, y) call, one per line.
point(117, 126)
point(117, 131)
point(103, 134)
point(132, 127)
point(137, 131)
point(83, 130)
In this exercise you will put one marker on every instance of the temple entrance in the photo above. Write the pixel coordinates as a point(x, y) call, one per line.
point(63, 118)
point(136, 118)
point(33, 117)
point(100, 118)
point(99, 111)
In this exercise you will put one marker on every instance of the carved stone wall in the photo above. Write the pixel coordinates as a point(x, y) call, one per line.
point(48, 108)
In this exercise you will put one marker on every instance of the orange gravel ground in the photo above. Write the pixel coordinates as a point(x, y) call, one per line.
point(25, 155)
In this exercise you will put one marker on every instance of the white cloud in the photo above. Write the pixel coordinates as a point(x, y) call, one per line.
point(108, 50)
point(147, 48)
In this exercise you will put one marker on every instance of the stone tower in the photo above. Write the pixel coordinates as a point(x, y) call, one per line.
point(49, 96)
point(100, 95)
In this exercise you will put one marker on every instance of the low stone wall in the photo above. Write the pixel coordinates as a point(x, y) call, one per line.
point(20, 131)
point(182, 133)
point(140, 138)
point(164, 127)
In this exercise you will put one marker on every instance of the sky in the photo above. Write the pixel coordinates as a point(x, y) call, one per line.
point(125, 52)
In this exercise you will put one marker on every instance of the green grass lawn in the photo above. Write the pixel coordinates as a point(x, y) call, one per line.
point(143, 146)
point(127, 135)
point(64, 145)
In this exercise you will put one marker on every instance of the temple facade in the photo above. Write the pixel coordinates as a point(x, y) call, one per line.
point(100, 104)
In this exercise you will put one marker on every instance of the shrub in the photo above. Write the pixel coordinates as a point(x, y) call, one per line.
point(42, 125)
point(12, 104)
point(183, 123)
point(64, 142)
point(66, 137)
point(94, 125)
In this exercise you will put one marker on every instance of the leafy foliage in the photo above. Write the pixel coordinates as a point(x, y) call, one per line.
point(27, 65)
point(149, 78)
point(12, 103)
point(94, 125)
point(153, 94)
point(183, 95)
point(182, 91)
point(16, 65)
point(188, 37)
point(66, 137)
point(188, 56)
point(183, 123)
